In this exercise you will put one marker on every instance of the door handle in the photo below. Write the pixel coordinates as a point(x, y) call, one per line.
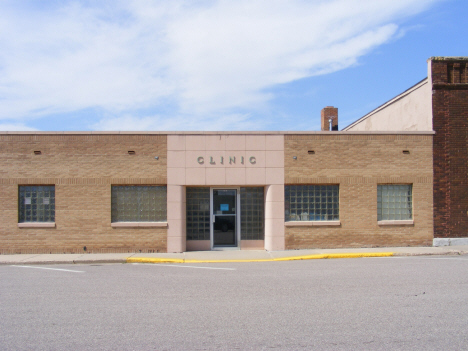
point(214, 218)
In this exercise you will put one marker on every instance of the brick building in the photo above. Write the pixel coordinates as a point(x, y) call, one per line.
point(179, 191)
point(450, 121)
point(438, 103)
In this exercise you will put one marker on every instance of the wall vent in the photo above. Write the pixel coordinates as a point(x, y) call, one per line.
point(37, 152)
point(406, 152)
point(131, 152)
point(311, 152)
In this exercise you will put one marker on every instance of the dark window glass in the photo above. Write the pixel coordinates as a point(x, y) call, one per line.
point(252, 213)
point(198, 213)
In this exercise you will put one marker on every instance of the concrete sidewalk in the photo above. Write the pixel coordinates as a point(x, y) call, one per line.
point(228, 255)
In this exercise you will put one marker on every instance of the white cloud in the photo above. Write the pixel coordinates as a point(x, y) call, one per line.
point(16, 127)
point(177, 123)
point(205, 58)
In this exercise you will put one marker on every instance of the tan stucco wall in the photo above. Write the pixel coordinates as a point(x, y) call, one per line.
point(410, 111)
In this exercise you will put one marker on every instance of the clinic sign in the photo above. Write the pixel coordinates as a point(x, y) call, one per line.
point(230, 160)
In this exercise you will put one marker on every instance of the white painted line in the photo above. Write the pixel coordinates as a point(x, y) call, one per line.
point(176, 265)
point(52, 269)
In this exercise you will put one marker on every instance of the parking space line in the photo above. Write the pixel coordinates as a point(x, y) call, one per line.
point(176, 265)
point(52, 269)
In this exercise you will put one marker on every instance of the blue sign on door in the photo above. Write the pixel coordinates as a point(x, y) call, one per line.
point(224, 207)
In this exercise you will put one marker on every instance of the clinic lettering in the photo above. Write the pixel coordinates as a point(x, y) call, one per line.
point(230, 160)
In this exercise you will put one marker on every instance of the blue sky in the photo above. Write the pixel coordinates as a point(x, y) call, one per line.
point(214, 64)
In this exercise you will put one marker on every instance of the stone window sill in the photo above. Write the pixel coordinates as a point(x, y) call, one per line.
point(139, 224)
point(396, 222)
point(312, 223)
point(37, 225)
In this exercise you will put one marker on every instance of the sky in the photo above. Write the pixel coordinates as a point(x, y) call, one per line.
point(214, 65)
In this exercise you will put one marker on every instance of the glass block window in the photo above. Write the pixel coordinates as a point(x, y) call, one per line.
point(139, 203)
point(311, 203)
point(198, 213)
point(36, 203)
point(394, 202)
point(252, 213)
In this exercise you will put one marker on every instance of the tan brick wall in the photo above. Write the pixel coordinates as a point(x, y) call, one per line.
point(358, 163)
point(82, 168)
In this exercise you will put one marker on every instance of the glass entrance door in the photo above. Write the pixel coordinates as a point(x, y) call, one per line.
point(224, 226)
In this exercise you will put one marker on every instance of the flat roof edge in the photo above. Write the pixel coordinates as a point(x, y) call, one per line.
point(429, 132)
point(448, 58)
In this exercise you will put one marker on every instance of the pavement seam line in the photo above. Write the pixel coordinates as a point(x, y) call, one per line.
point(292, 258)
point(27, 258)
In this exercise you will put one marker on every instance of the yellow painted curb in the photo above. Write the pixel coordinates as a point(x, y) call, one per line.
point(338, 255)
point(229, 261)
point(291, 258)
point(154, 260)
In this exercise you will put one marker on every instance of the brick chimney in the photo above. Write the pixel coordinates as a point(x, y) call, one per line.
point(329, 113)
point(449, 78)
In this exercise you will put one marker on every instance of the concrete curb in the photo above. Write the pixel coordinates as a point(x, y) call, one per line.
point(29, 263)
point(201, 258)
point(291, 258)
point(100, 261)
point(442, 253)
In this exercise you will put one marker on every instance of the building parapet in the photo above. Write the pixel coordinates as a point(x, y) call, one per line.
point(226, 133)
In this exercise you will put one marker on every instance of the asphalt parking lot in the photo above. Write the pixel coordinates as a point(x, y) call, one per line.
point(404, 303)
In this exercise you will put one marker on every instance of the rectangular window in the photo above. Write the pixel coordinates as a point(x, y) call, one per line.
point(311, 203)
point(36, 203)
point(252, 213)
point(198, 213)
point(139, 203)
point(394, 202)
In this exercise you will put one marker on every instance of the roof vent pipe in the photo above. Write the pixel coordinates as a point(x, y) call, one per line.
point(329, 118)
